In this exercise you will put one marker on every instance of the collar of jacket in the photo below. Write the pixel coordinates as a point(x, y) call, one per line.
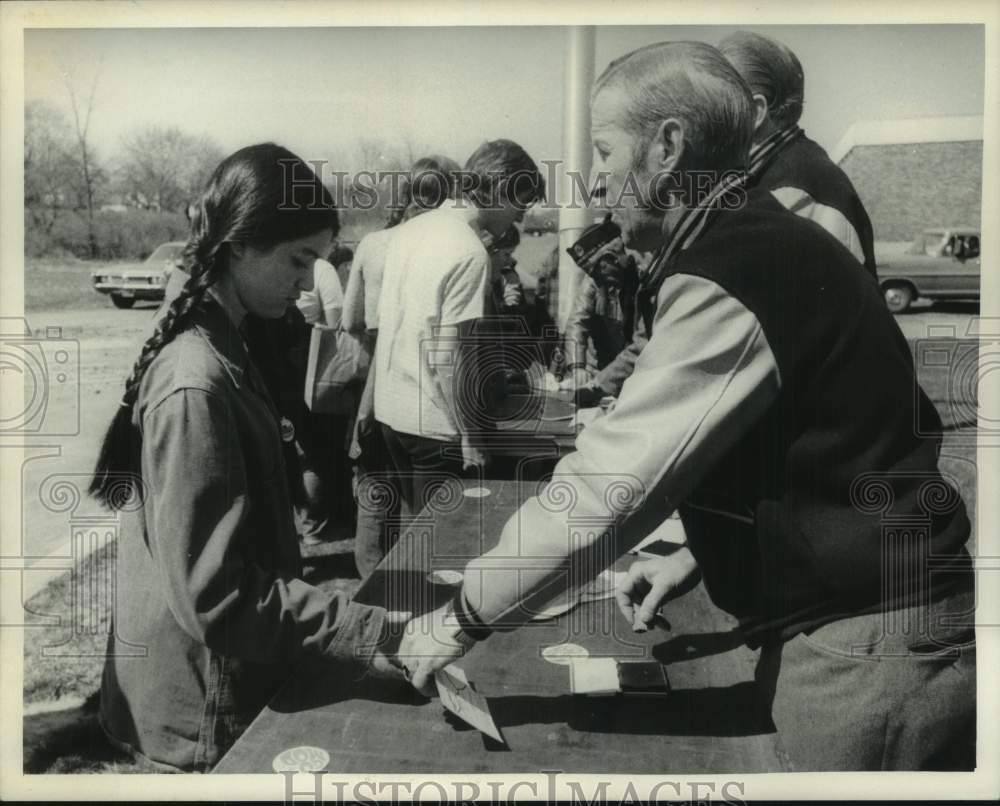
point(766, 150)
point(689, 227)
point(226, 342)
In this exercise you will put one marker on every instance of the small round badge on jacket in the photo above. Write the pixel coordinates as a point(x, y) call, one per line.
point(287, 430)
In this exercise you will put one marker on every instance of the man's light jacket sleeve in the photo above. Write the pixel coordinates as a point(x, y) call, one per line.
point(706, 375)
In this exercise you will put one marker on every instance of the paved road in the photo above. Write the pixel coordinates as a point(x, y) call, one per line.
point(108, 340)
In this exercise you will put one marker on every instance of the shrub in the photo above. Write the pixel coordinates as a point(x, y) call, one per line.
point(131, 235)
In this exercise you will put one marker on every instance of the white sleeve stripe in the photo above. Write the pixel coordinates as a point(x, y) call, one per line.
point(797, 201)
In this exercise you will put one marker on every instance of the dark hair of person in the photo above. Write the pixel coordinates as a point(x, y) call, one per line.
point(430, 184)
point(500, 170)
point(771, 70)
point(340, 254)
point(260, 196)
point(510, 238)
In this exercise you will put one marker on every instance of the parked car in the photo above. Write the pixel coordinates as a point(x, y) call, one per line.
point(942, 263)
point(146, 281)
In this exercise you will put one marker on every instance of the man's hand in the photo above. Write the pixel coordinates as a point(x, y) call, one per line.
point(650, 583)
point(472, 457)
point(513, 295)
point(429, 644)
point(575, 379)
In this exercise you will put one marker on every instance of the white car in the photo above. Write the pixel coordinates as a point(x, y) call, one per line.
point(145, 281)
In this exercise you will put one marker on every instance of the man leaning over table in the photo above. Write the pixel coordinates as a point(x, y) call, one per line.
point(434, 290)
point(775, 407)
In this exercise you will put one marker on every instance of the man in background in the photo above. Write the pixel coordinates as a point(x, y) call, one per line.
point(786, 163)
point(434, 290)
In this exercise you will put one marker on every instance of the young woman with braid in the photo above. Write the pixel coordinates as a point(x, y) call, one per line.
point(211, 610)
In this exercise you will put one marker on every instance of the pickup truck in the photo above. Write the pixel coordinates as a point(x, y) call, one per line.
point(941, 264)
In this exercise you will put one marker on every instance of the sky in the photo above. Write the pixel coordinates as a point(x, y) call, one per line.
point(446, 90)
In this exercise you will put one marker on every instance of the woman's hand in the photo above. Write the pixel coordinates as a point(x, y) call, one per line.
point(650, 583)
point(429, 643)
point(384, 662)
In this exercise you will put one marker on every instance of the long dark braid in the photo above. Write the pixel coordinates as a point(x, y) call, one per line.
point(110, 485)
point(247, 200)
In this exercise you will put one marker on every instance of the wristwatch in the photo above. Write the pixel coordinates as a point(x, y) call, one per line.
point(467, 627)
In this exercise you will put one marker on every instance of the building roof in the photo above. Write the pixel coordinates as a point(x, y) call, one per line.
point(950, 129)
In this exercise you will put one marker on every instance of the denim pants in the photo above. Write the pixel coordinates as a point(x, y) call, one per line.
point(379, 501)
point(420, 465)
point(886, 691)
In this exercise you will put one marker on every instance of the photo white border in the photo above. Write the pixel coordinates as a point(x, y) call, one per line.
point(16, 16)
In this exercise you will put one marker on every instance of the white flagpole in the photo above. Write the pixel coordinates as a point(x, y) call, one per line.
point(577, 155)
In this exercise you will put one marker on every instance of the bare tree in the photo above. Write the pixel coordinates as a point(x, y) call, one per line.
point(375, 154)
point(410, 149)
point(163, 168)
point(204, 155)
point(47, 154)
point(90, 173)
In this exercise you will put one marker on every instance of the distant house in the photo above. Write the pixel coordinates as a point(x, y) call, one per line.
point(915, 173)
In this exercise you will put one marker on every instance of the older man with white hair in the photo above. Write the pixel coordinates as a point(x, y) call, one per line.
point(774, 406)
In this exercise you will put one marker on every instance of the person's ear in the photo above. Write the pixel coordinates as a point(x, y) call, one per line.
point(667, 147)
point(759, 110)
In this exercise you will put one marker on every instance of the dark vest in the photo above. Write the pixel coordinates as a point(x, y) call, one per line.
point(805, 165)
point(830, 504)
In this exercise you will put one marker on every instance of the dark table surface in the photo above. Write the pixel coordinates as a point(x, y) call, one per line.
point(710, 722)
point(532, 424)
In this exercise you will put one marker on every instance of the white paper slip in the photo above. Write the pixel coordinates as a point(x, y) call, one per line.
point(594, 677)
point(465, 702)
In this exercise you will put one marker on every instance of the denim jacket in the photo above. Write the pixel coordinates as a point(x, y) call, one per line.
point(211, 612)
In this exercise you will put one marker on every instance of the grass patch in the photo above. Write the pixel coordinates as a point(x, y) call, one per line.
point(65, 659)
point(58, 285)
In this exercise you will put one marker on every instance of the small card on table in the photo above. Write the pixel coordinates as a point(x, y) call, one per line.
point(458, 696)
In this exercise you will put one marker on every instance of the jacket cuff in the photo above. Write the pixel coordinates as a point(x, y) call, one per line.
point(358, 636)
